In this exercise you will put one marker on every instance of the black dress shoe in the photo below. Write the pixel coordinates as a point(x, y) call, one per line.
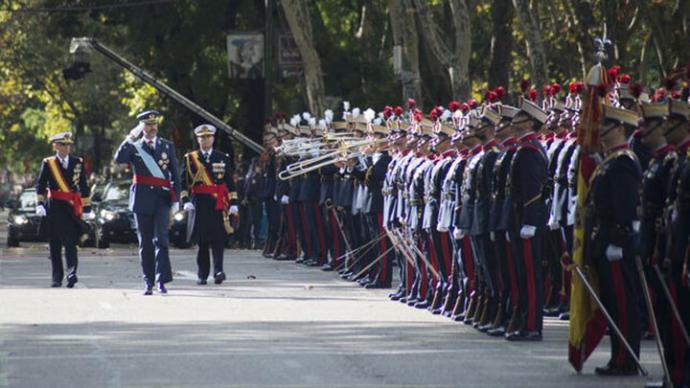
point(56, 284)
point(524, 335)
point(148, 290)
point(422, 304)
point(615, 370)
point(162, 289)
point(71, 281)
point(218, 279)
point(313, 263)
point(564, 316)
point(497, 331)
point(201, 282)
point(327, 267)
point(395, 295)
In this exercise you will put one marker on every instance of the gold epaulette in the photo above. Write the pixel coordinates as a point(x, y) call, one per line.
point(85, 201)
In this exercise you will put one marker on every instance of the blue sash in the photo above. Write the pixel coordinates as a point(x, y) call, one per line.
point(148, 160)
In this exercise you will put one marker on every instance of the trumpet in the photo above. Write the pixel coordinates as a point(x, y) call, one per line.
point(342, 153)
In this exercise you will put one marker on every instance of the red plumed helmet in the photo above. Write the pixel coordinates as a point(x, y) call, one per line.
point(555, 88)
point(464, 107)
point(472, 103)
point(500, 92)
point(675, 95)
point(624, 78)
point(532, 95)
point(490, 96)
point(387, 112)
point(453, 106)
point(613, 73)
point(418, 115)
point(398, 110)
point(546, 90)
point(524, 85)
point(411, 103)
point(576, 87)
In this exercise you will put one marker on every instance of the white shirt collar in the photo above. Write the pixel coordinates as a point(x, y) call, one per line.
point(64, 160)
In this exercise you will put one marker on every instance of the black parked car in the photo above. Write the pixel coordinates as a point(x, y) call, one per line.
point(23, 223)
point(22, 220)
point(114, 221)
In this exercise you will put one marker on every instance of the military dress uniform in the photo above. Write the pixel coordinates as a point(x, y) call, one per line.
point(528, 221)
point(63, 196)
point(209, 188)
point(611, 211)
point(375, 176)
point(154, 191)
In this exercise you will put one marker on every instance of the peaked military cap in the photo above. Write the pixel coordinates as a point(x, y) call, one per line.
point(534, 111)
point(654, 110)
point(149, 116)
point(63, 137)
point(205, 130)
point(621, 116)
point(680, 109)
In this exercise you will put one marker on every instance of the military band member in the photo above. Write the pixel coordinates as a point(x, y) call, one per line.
point(62, 197)
point(611, 209)
point(153, 196)
point(210, 194)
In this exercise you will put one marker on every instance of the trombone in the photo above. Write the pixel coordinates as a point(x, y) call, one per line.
point(342, 153)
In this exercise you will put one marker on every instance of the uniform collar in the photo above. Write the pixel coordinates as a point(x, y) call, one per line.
point(562, 134)
point(450, 153)
point(61, 159)
point(490, 144)
point(661, 151)
point(528, 137)
point(507, 142)
point(476, 150)
point(623, 146)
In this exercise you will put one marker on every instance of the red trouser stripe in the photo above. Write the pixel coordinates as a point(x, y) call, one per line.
point(383, 246)
point(622, 316)
point(292, 238)
point(423, 287)
point(447, 257)
point(336, 236)
point(679, 348)
point(531, 286)
point(468, 263)
point(433, 258)
point(305, 231)
point(514, 286)
point(322, 235)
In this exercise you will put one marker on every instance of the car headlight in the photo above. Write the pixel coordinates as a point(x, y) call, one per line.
point(90, 216)
point(108, 215)
point(20, 220)
point(179, 216)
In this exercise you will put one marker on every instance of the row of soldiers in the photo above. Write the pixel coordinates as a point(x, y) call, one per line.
point(476, 204)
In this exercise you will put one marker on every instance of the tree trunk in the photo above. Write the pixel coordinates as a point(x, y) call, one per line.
point(501, 43)
point(299, 21)
point(459, 68)
point(534, 42)
point(405, 36)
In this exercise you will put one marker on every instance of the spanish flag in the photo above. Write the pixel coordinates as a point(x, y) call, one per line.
point(587, 323)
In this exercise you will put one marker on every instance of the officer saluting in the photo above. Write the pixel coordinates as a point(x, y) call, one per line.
point(209, 180)
point(62, 179)
point(153, 195)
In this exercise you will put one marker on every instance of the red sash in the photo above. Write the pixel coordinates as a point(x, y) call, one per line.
point(220, 192)
point(73, 198)
point(153, 181)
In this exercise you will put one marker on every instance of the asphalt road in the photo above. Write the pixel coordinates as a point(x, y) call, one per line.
point(271, 324)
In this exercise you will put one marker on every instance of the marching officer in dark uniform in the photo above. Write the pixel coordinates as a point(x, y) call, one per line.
point(153, 196)
point(62, 196)
point(611, 210)
point(211, 197)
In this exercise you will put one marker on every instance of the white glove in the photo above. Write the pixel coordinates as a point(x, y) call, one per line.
point(136, 132)
point(189, 206)
point(528, 231)
point(492, 236)
point(41, 211)
point(458, 234)
point(314, 153)
point(233, 209)
point(441, 229)
point(507, 236)
point(175, 207)
point(285, 200)
point(553, 224)
point(614, 253)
